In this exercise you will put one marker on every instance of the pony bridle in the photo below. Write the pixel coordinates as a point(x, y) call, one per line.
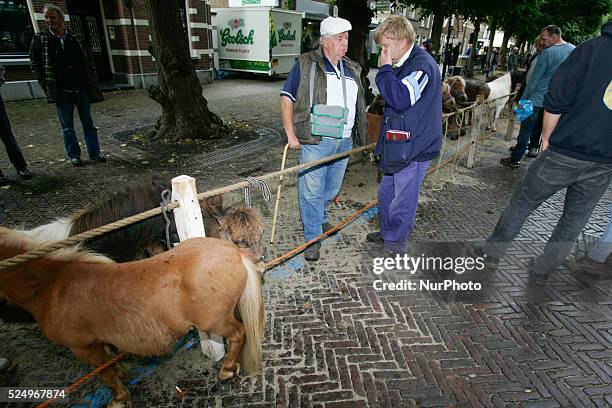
point(166, 197)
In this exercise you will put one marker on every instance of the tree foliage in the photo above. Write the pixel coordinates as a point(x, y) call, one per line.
point(578, 19)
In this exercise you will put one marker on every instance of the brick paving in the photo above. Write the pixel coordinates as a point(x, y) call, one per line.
point(331, 339)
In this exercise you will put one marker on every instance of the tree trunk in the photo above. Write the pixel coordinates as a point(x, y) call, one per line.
point(436, 33)
point(360, 16)
point(503, 54)
point(492, 30)
point(474, 51)
point(185, 113)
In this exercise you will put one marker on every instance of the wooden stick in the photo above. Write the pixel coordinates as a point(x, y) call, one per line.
point(278, 194)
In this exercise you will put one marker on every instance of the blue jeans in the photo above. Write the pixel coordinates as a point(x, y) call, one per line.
point(66, 101)
point(585, 181)
point(319, 185)
point(524, 134)
point(398, 199)
point(603, 249)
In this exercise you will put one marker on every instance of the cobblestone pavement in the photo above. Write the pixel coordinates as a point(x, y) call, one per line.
point(331, 339)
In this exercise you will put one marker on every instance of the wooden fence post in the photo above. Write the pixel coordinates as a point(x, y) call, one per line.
point(190, 224)
point(475, 131)
point(510, 130)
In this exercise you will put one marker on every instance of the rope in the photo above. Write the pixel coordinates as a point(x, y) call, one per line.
point(166, 199)
point(254, 182)
point(85, 378)
point(75, 239)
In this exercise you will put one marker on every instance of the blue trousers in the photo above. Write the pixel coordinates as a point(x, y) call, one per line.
point(319, 185)
point(585, 181)
point(603, 249)
point(398, 199)
point(66, 102)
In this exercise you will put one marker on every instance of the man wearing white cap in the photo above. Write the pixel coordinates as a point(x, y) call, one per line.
point(335, 87)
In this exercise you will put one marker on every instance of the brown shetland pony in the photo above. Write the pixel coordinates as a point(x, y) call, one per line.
point(87, 302)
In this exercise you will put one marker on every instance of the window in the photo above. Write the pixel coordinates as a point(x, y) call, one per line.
point(16, 29)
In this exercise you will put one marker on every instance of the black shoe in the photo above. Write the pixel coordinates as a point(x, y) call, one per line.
point(25, 173)
point(375, 237)
point(98, 158)
point(533, 152)
point(536, 277)
point(327, 226)
point(3, 180)
point(512, 148)
point(591, 268)
point(76, 162)
point(490, 262)
point(312, 253)
point(507, 161)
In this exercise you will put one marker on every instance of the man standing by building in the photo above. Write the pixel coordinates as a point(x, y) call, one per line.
point(512, 59)
point(577, 155)
point(427, 46)
point(409, 81)
point(546, 64)
point(65, 70)
point(336, 83)
point(12, 148)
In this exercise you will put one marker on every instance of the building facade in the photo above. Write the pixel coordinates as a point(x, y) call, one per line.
point(116, 31)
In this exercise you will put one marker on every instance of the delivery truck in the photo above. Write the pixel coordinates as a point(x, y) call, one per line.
point(262, 40)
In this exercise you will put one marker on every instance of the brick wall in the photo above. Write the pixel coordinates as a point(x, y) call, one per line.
point(129, 42)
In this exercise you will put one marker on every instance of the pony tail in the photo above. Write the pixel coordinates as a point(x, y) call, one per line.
point(251, 309)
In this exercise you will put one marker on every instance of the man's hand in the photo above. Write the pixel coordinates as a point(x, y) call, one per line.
point(544, 144)
point(385, 57)
point(294, 143)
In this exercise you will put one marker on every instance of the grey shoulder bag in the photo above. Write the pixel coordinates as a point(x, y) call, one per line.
point(328, 120)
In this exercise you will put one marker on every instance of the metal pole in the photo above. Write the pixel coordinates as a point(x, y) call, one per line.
point(444, 67)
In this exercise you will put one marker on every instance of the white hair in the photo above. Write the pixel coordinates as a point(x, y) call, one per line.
point(53, 7)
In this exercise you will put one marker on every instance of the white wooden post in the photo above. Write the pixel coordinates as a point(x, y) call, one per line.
point(190, 224)
point(475, 131)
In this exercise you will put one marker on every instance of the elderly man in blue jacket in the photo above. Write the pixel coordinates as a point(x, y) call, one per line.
point(411, 133)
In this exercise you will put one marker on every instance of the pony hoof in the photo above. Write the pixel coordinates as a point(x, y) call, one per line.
point(225, 375)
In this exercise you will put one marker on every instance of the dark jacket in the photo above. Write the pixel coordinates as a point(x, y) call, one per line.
point(423, 118)
point(581, 91)
point(301, 107)
point(44, 71)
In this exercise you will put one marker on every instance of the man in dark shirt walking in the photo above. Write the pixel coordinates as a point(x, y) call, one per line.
point(65, 70)
point(577, 155)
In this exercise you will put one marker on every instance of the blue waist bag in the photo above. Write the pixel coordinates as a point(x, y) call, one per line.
point(523, 110)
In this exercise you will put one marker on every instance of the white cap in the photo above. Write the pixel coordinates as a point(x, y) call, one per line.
point(334, 25)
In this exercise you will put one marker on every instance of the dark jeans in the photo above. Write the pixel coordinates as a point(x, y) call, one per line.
point(66, 102)
point(6, 134)
point(585, 181)
point(536, 133)
point(527, 126)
